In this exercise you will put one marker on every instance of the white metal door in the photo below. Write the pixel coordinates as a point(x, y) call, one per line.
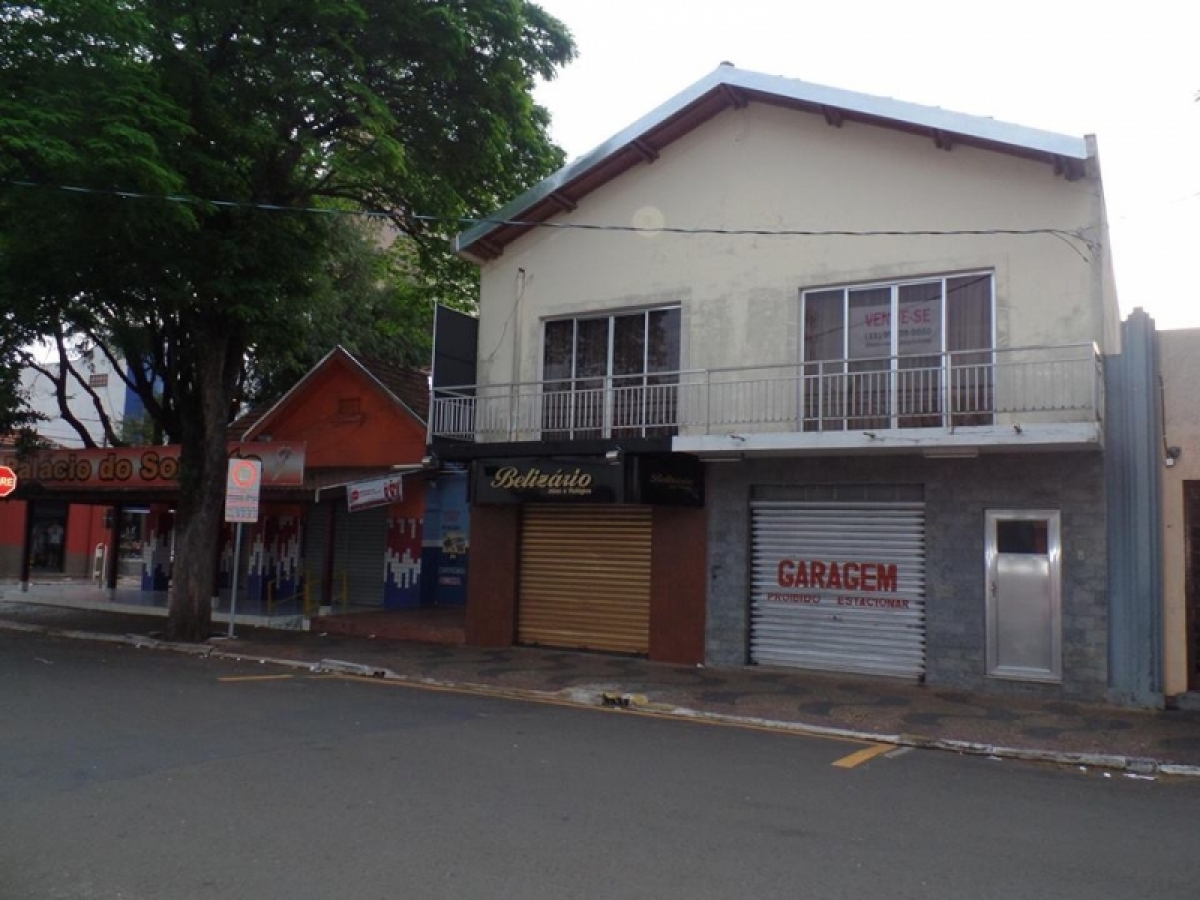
point(1024, 619)
point(839, 586)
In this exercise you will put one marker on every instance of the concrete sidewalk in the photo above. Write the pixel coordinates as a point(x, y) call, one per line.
point(1142, 742)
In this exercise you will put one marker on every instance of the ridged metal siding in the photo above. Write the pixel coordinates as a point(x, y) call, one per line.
point(829, 635)
point(585, 578)
point(359, 564)
point(316, 535)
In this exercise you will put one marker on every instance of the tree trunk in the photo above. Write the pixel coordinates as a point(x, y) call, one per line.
point(203, 472)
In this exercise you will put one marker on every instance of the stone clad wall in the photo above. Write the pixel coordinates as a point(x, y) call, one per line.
point(957, 493)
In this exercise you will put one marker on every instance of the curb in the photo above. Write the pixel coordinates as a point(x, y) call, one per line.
point(639, 704)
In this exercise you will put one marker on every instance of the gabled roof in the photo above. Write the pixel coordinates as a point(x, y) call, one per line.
point(731, 87)
point(407, 388)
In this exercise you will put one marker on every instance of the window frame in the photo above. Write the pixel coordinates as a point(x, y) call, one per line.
point(893, 418)
point(607, 425)
point(894, 286)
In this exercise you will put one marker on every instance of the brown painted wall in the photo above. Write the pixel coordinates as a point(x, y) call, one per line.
point(492, 581)
point(678, 585)
point(378, 434)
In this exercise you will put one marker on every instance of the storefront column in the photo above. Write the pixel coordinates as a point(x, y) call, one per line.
point(27, 547)
point(492, 588)
point(678, 596)
point(113, 556)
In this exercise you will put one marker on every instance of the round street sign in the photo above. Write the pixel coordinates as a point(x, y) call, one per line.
point(8, 481)
point(243, 474)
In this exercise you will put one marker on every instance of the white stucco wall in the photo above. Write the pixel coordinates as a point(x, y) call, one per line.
point(773, 168)
point(1179, 364)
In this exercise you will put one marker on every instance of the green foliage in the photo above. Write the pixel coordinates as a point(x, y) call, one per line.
point(407, 107)
point(413, 107)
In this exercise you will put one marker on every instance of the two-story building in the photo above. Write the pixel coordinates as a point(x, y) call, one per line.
point(795, 376)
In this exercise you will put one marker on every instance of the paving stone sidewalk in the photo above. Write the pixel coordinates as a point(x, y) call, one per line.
point(1075, 733)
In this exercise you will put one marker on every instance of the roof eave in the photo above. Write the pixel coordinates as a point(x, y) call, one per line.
point(1067, 154)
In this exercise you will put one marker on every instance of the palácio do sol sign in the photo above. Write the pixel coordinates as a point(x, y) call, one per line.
point(147, 467)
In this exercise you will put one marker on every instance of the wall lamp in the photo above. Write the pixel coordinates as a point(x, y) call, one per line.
point(613, 456)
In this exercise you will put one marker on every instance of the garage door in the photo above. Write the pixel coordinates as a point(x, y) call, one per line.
point(839, 586)
point(360, 561)
point(585, 578)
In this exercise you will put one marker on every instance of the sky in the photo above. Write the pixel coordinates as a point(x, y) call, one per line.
point(1127, 71)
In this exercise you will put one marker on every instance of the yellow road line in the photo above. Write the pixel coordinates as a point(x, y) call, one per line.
point(254, 678)
point(858, 757)
point(502, 694)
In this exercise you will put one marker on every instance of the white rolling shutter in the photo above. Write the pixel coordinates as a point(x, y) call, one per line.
point(839, 586)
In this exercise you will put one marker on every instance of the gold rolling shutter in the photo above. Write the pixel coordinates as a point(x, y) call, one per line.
point(585, 578)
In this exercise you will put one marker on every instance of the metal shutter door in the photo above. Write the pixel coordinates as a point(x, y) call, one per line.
point(880, 631)
point(316, 535)
point(362, 546)
point(585, 578)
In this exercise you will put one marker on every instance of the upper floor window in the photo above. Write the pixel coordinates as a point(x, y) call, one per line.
point(899, 354)
point(612, 375)
point(98, 380)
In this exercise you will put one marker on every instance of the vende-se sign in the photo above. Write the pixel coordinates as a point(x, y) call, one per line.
point(8, 481)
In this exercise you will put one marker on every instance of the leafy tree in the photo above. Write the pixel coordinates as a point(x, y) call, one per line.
point(419, 108)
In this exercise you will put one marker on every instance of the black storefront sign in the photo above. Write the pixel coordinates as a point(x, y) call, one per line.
point(657, 479)
point(561, 480)
point(669, 479)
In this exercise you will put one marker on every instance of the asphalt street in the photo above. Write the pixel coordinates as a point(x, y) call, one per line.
point(138, 775)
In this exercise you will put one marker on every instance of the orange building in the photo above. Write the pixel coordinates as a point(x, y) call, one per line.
point(343, 505)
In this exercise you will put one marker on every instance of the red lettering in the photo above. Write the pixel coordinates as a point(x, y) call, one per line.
point(850, 573)
point(817, 574)
point(868, 577)
point(835, 576)
point(887, 578)
point(786, 576)
point(877, 319)
point(802, 575)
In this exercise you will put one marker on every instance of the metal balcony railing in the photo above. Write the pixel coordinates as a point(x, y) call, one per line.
point(949, 391)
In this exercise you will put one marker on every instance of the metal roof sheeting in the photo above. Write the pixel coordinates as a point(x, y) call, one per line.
point(728, 86)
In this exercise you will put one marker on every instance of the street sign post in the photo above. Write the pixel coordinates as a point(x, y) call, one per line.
point(8, 481)
point(242, 485)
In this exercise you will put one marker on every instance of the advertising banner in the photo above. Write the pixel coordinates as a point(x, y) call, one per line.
point(374, 492)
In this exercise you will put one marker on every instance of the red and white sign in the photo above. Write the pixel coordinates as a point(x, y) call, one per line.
point(838, 583)
point(374, 492)
point(8, 481)
point(241, 490)
point(148, 467)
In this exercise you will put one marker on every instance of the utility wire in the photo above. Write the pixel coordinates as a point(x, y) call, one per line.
point(1062, 234)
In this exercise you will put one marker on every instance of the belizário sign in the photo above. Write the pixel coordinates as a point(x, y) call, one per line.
point(8, 481)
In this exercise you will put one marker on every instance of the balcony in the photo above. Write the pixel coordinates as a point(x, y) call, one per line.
point(1016, 397)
